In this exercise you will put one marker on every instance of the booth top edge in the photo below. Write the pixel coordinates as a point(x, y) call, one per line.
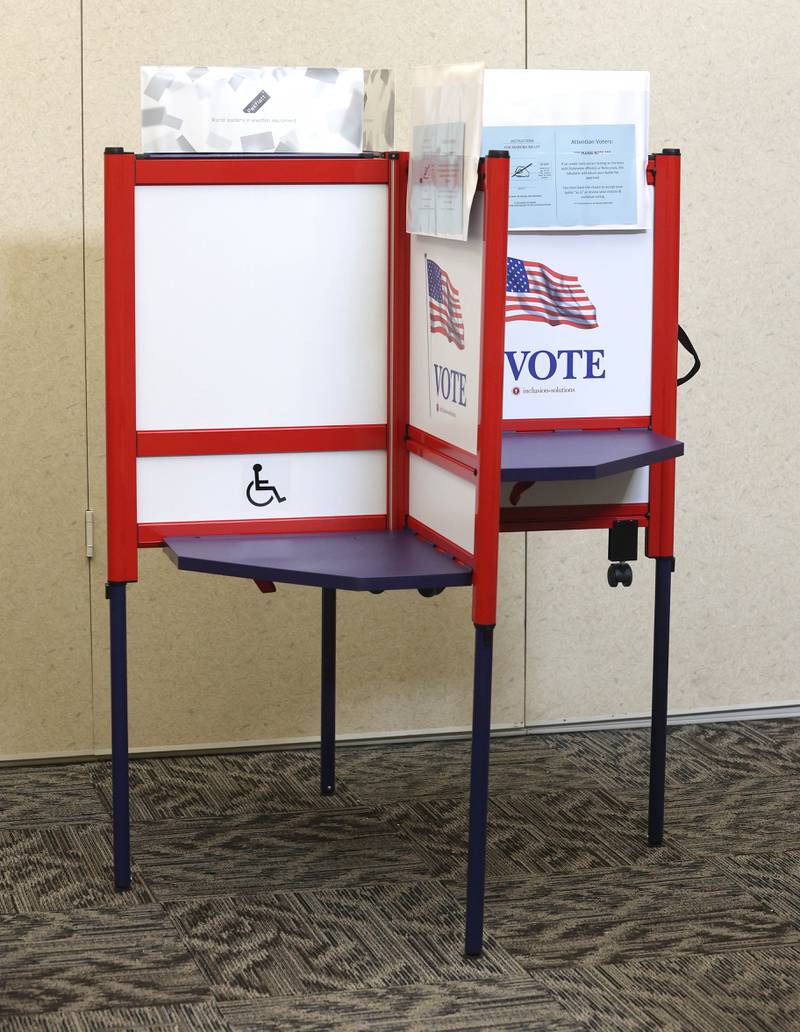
point(249, 156)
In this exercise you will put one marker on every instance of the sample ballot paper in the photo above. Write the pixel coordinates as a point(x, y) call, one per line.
point(446, 129)
point(437, 179)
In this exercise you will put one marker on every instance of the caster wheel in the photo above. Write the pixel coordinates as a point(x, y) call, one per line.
point(620, 573)
point(430, 592)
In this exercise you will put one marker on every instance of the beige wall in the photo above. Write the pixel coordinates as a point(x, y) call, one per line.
point(45, 655)
point(725, 90)
point(213, 661)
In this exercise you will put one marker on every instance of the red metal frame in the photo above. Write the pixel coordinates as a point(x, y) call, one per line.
point(571, 517)
point(242, 171)
point(441, 460)
point(663, 172)
point(123, 172)
point(442, 453)
point(483, 468)
point(440, 541)
point(120, 367)
point(490, 404)
point(399, 317)
point(152, 535)
point(666, 170)
point(578, 423)
point(368, 437)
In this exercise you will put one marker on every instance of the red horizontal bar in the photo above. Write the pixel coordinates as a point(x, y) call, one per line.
point(269, 170)
point(571, 517)
point(579, 423)
point(450, 451)
point(442, 543)
point(367, 437)
point(152, 534)
point(441, 459)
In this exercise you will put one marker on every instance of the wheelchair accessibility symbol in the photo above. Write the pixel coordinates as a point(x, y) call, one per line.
point(258, 485)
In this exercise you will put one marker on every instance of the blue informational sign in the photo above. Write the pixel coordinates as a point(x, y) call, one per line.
point(568, 175)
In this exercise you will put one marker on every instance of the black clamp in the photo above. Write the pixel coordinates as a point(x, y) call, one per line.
point(623, 545)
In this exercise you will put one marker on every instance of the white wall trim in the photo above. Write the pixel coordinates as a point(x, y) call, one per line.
point(724, 714)
point(263, 745)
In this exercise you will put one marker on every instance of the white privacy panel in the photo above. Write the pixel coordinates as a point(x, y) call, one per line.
point(442, 501)
point(579, 313)
point(261, 306)
point(620, 489)
point(445, 335)
point(187, 488)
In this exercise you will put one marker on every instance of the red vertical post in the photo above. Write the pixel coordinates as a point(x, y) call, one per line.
point(666, 250)
point(120, 365)
point(399, 314)
point(490, 411)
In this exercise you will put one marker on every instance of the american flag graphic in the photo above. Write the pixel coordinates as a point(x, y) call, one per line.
point(444, 308)
point(539, 294)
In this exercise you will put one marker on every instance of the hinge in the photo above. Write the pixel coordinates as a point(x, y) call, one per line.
point(89, 533)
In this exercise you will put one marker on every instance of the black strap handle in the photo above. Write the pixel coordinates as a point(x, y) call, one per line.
point(683, 338)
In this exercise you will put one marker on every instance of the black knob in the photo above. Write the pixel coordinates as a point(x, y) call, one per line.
point(620, 573)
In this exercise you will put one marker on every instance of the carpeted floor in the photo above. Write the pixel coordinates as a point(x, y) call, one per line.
point(259, 904)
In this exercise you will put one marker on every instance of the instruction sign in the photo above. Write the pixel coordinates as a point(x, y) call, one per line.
point(568, 175)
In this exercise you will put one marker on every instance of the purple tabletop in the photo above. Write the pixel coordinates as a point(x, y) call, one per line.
point(582, 454)
point(372, 561)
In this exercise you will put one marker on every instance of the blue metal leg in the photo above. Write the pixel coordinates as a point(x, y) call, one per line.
point(658, 727)
point(479, 788)
point(328, 733)
point(115, 592)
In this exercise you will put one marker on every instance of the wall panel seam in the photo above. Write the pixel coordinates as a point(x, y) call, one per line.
point(526, 2)
point(89, 578)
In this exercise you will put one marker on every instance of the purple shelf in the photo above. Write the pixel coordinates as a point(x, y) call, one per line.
point(379, 560)
point(582, 454)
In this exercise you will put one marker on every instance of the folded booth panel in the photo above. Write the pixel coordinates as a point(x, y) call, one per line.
point(294, 402)
point(446, 289)
point(247, 347)
point(442, 504)
point(445, 340)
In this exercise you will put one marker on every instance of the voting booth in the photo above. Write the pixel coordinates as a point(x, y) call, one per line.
point(301, 391)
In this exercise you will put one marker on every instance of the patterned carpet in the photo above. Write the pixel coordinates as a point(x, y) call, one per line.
point(259, 904)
